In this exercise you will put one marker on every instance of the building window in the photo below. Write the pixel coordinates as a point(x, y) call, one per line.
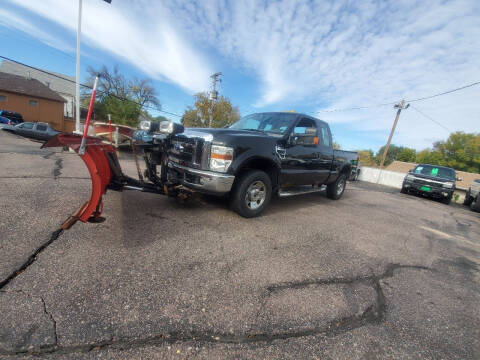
point(3, 97)
point(33, 102)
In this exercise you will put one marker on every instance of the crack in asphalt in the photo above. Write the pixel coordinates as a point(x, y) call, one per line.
point(31, 259)
point(50, 316)
point(55, 336)
point(57, 170)
point(47, 156)
point(374, 314)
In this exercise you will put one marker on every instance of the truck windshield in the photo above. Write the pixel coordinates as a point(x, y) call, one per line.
point(437, 171)
point(276, 123)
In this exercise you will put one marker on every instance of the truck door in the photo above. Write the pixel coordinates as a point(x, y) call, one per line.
point(325, 149)
point(301, 164)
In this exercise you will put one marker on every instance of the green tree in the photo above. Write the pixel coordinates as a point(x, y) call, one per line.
point(125, 99)
point(407, 155)
point(223, 113)
point(460, 151)
point(392, 154)
point(366, 157)
point(429, 156)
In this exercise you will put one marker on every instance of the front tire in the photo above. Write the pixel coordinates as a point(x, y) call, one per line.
point(447, 200)
point(251, 193)
point(336, 189)
point(468, 199)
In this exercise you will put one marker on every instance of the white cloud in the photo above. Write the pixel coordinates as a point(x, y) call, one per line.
point(13, 21)
point(333, 54)
point(141, 33)
point(346, 54)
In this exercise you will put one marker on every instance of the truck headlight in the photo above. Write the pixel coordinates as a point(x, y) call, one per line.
point(448, 185)
point(220, 158)
point(409, 177)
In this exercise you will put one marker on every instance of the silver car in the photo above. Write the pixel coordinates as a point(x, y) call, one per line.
point(39, 131)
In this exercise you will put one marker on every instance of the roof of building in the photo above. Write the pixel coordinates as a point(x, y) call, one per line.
point(31, 87)
point(404, 167)
point(54, 81)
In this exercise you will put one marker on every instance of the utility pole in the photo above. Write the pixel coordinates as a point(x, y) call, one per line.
point(77, 67)
point(213, 94)
point(77, 70)
point(400, 106)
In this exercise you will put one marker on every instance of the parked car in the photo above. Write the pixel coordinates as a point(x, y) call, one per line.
point(6, 123)
point(39, 131)
point(9, 119)
point(472, 197)
point(431, 180)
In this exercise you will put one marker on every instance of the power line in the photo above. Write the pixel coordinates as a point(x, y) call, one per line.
point(445, 92)
point(431, 119)
point(89, 87)
point(413, 100)
point(358, 107)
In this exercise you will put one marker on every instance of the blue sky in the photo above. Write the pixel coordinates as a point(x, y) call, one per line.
point(308, 56)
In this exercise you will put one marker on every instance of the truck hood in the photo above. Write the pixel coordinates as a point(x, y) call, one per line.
point(226, 136)
point(435, 178)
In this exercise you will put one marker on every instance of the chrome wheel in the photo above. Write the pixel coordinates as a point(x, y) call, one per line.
point(340, 186)
point(256, 194)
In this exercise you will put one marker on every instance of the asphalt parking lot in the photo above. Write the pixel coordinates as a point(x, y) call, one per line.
point(375, 275)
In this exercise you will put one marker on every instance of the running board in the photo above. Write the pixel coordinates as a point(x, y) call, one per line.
point(299, 190)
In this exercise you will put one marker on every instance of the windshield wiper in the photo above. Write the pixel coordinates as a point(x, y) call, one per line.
point(262, 131)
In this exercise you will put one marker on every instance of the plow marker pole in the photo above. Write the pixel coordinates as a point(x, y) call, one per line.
point(87, 122)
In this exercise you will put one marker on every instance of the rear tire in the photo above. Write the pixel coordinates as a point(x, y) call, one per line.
point(251, 193)
point(468, 199)
point(336, 189)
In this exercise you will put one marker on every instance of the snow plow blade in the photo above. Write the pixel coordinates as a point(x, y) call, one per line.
point(102, 163)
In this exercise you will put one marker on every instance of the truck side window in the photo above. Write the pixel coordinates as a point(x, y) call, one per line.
point(325, 134)
point(305, 132)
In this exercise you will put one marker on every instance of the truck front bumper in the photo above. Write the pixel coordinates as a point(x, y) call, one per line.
point(431, 190)
point(201, 180)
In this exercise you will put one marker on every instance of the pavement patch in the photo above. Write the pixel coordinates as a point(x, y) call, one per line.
point(373, 313)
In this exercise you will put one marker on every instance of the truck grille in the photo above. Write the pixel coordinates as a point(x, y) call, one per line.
point(187, 151)
point(427, 182)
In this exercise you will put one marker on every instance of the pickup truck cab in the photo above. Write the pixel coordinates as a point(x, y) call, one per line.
point(260, 155)
point(431, 180)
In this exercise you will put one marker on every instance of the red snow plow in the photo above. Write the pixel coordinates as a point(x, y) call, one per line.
point(105, 171)
point(102, 164)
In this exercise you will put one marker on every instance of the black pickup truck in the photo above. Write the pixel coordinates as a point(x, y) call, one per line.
point(258, 156)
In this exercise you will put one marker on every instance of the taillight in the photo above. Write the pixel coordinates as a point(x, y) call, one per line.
point(9, 122)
